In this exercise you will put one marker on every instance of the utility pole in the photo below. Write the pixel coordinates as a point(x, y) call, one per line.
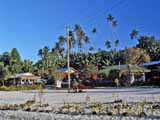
point(119, 65)
point(68, 59)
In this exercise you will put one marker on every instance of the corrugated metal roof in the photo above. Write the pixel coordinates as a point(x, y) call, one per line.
point(23, 75)
point(124, 68)
point(151, 63)
point(65, 70)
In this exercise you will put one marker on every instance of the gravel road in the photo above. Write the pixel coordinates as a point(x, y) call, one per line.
point(56, 98)
point(101, 95)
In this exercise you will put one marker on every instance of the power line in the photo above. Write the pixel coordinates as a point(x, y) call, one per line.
point(104, 12)
point(73, 17)
point(91, 20)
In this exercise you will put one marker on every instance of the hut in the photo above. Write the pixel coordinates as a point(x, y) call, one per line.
point(61, 77)
point(153, 77)
point(23, 79)
point(65, 70)
point(129, 73)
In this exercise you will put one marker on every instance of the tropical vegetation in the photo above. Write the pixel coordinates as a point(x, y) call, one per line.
point(86, 62)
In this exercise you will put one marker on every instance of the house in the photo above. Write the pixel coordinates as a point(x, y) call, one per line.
point(129, 73)
point(154, 76)
point(65, 70)
point(23, 79)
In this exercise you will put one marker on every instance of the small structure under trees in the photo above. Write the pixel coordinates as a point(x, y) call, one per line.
point(60, 74)
point(127, 73)
point(153, 78)
point(23, 79)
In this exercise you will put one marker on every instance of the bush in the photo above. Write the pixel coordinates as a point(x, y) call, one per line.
point(17, 88)
point(138, 83)
point(113, 74)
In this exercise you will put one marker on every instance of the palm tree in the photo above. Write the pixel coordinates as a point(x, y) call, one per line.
point(61, 40)
point(110, 18)
point(46, 55)
point(116, 43)
point(73, 36)
point(114, 23)
point(134, 34)
point(27, 66)
point(94, 30)
point(46, 51)
point(81, 37)
point(108, 44)
point(91, 48)
point(40, 53)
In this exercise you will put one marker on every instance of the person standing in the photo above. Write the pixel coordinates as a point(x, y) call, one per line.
point(116, 81)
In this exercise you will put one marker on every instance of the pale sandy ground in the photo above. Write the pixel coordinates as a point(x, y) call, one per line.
point(102, 95)
point(18, 115)
point(58, 97)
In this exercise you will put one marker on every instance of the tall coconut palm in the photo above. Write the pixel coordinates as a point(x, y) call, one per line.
point(91, 48)
point(134, 34)
point(108, 44)
point(81, 37)
point(27, 66)
point(40, 53)
point(114, 23)
point(110, 18)
point(94, 30)
point(46, 51)
point(73, 36)
point(116, 43)
point(61, 40)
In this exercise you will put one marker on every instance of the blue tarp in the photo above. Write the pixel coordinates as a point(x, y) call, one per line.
point(151, 63)
point(65, 70)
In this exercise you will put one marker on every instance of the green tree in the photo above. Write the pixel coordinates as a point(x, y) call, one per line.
point(136, 56)
point(5, 58)
point(27, 66)
point(4, 73)
point(45, 61)
point(15, 56)
point(74, 36)
point(150, 45)
point(15, 63)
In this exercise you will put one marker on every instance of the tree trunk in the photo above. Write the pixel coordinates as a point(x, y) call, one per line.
point(68, 64)
point(3, 82)
point(14, 80)
point(68, 59)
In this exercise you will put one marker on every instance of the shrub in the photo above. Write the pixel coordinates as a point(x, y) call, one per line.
point(17, 88)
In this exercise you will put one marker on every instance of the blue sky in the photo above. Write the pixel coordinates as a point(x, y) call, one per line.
point(30, 25)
